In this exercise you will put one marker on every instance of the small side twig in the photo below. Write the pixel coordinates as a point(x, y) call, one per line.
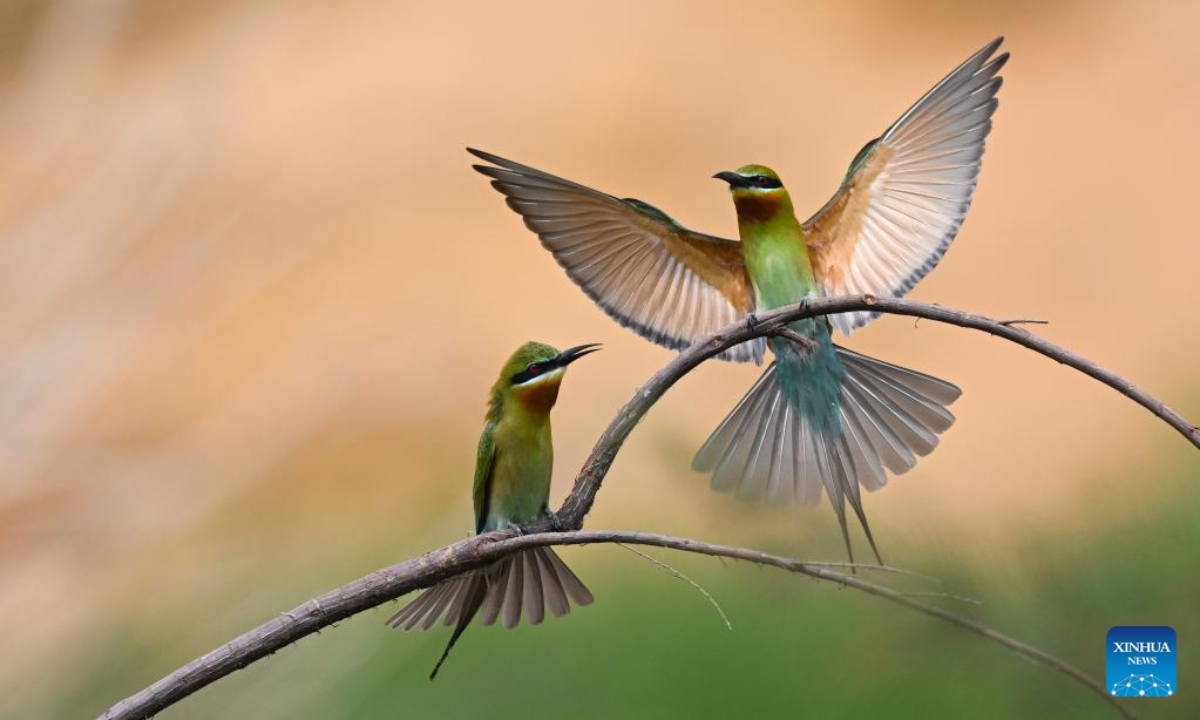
point(944, 596)
point(681, 576)
point(805, 343)
point(856, 566)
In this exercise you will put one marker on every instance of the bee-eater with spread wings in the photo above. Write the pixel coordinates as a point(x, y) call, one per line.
point(820, 418)
point(512, 487)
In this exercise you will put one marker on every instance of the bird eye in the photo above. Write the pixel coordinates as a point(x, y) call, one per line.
point(534, 368)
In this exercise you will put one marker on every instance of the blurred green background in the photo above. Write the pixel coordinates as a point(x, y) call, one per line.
point(252, 296)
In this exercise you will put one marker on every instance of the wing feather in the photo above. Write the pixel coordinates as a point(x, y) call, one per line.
point(485, 460)
point(665, 282)
point(908, 191)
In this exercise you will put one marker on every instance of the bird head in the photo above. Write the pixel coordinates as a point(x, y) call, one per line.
point(757, 191)
point(533, 373)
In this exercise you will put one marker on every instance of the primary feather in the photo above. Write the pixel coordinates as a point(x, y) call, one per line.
point(907, 192)
point(667, 283)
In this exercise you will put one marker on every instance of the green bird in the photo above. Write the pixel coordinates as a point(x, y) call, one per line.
point(512, 488)
point(821, 418)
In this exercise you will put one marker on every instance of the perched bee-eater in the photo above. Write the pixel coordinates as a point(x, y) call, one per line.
point(821, 416)
point(512, 487)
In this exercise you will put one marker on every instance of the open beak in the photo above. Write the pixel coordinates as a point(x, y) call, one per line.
point(570, 355)
point(734, 180)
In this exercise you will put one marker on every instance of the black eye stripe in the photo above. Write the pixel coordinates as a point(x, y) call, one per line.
point(531, 371)
point(762, 181)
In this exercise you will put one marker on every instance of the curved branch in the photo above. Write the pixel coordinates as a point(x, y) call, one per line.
point(820, 571)
point(390, 583)
point(774, 323)
point(427, 570)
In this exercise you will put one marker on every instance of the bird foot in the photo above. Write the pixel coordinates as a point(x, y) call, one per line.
point(555, 524)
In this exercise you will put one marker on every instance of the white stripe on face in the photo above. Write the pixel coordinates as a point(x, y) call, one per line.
point(555, 374)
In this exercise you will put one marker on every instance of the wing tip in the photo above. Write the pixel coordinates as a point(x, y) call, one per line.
point(990, 47)
point(997, 63)
point(499, 162)
point(483, 155)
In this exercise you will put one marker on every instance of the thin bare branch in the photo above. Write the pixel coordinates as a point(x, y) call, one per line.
point(670, 570)
point(944, 596)
point(820, 572)
point(427, 570)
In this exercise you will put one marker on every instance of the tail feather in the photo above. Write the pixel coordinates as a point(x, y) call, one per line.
point(892, 450)
point(851, 475)
point(916, 438)
point(868, 465)
point(514, 592)
point(570, 582)
point(780, 489)
point(807, 485)
point(761, 452)
point(552, 589)
point(527, 582)
point(421, 608)
point(767, 449)
point(726, 453)
point(475, 588)
point(924, 397)
point(932, 390)
point(496, 589)
point(832, 477)
point(457, 605)
point(532, 600)
point(439, 605)
point(406, 613)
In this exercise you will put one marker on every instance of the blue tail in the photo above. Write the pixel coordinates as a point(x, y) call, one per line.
point(831, 420)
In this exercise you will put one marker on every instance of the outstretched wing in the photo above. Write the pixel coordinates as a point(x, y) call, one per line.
point(667, 283)
point(907, 192)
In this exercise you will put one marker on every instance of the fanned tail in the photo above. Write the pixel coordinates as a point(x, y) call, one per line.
point(528, 581)
point(767, 449)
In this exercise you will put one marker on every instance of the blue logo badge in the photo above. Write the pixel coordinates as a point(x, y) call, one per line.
point(1141, 661)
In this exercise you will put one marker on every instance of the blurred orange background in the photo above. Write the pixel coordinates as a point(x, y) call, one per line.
point(253, 295)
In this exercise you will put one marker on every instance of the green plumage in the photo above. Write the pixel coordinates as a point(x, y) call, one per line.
point(780, 269)
point(821, 418)
point(485, 455)
point(515, 458)
point(513, 464)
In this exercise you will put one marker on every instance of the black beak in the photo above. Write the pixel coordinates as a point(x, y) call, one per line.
point(570, 355)
point(734, 180)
